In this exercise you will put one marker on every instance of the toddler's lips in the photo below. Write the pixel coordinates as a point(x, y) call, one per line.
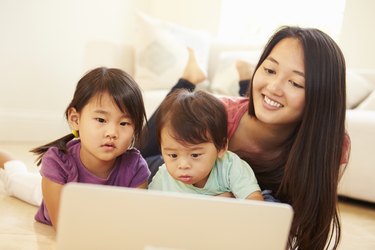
point(185, 178)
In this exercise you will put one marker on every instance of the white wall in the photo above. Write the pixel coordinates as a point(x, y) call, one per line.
point(357, 39)
point(195, 14)
point(45, 48)
point(47, 45)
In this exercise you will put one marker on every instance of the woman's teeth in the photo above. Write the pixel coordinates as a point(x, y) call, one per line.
point(272, 103)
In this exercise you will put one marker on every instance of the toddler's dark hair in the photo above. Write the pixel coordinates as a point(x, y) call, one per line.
point(194, 117)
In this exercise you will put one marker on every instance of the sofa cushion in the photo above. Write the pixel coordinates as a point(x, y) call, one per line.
point(368, 103)
point(225, 78)
point(357, 89)
point(161, 51)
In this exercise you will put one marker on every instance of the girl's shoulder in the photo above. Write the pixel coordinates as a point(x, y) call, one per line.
point(131, 169)
point(72, 151)
point(132, 157)
point(60, 166)
point(132, 153)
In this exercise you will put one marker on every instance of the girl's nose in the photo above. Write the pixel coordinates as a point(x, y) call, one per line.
point(111, 136)
point(111, 132)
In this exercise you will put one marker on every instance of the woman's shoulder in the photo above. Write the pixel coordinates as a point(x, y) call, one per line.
point(345, 149)
point(234, 100)
point(235, 106)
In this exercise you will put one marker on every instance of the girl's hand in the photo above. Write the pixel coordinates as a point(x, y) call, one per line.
point(51, 196)
point(144, 185)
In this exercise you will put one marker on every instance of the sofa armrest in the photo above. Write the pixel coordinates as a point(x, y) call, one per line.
point(368, 74)
point(357, 181)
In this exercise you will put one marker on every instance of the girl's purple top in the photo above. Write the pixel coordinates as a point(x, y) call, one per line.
point(130, 170)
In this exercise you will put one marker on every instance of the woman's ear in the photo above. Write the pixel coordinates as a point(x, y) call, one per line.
point(73, 118)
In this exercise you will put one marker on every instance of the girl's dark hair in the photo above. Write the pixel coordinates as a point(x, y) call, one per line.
point(306, 172)
point(118, 84)
point(194, 117)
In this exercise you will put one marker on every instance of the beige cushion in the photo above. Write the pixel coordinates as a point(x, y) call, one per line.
point(357, 89)
point(225, 79)
point(368, 103)
point(161, 51)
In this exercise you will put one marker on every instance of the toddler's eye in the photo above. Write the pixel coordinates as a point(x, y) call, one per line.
point(195, 155)
point(172, 155)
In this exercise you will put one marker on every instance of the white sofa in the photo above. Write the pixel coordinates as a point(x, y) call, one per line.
point(357, 180)
point(158, 56)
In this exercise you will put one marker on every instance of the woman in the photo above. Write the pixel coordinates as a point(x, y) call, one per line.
point(290, 129)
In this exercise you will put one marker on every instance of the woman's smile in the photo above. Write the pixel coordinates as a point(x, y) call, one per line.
point(272, 103)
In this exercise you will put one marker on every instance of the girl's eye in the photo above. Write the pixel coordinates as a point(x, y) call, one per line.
point(294, 84)
point(101, 120)
point(268, 71)
point(125, 124)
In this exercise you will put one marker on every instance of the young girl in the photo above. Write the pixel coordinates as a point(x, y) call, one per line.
point(290, 129)
point(106, 116)
point(192, 131)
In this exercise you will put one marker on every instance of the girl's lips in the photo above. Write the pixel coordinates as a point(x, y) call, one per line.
point(109, 146)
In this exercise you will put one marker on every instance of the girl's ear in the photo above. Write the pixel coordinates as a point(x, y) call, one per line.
point(73, 118)
point(223, 150)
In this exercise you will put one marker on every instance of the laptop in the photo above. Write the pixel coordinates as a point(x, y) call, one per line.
point(107, 217)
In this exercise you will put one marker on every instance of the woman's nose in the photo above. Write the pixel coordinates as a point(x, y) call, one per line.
point(275, 86)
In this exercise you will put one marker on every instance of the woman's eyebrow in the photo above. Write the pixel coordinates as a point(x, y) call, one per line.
point(270, 58)
point(299, 73)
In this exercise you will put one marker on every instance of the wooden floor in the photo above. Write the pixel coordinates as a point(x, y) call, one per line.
point(358, 225)
point(18, 230)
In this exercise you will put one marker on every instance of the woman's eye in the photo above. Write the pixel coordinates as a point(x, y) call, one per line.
point(268, 70)
point(294, 84)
